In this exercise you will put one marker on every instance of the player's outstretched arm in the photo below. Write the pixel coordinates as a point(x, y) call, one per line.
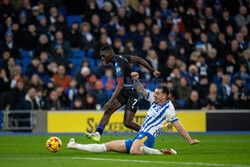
point(139, 87)
point(134, 59)
point(184, 133)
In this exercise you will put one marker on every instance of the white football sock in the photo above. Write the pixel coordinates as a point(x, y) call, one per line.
point(151, 151)
point(94, 148)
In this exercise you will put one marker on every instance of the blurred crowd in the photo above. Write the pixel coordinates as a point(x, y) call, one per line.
point(201, 48)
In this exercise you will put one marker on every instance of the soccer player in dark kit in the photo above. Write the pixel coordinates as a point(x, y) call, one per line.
point(124, 94)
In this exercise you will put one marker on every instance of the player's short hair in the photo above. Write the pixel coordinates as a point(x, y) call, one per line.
point(106, 48)
point(165, 90)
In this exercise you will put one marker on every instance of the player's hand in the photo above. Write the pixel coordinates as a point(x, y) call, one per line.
point(135, 75)
point(194, 141)
point(156, 74)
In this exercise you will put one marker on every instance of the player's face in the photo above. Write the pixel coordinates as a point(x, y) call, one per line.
point(159, 96)
point(106, 56)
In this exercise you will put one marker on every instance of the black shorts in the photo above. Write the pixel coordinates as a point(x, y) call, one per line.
point(129, 98)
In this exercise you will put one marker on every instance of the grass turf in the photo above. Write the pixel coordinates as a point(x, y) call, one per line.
point(214, 150)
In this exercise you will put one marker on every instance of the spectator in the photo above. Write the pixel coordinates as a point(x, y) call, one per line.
point(4, 59)
point(89, 102)
point(243, 74)
point(61, 24)
point(201, 64)
point(193, 101)
point(172, 43)
point(71, 91)
point(52, 68)
point(212, 63)
point(6, 10)
point(162, 51)
point(52, 103)
point(32, 66)
point(61, 49)
point(77, 104)
point(74, 36)
point(42, 73)
point(225, 88)
point(213, 34)
point(82, 76)
point(10, 45)
point(242, 19)
point(11, 99)
point(35, 81)
point(87, 39)
point(61, 77)
point(193, 76)
point(62, 97)
point(165, 11)
point(203, 88)
point(156, 35)
point(241, 43)
point(233, 100)
point(81, 92)
point(139, 35)
point(153, 59)
point(30, 102)
point(106, 12)
point(168, 67)
point(212, 101)
point(221, 46)
point(118, 47)
point(42, 27)
point(229, 64)
point(43, 45)
point(53, 14)
point(226, 20)
point(217, 78)
point(204, 45)
point(29, 38)
point(183, 91)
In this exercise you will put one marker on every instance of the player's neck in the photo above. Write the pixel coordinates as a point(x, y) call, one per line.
point(162, 102)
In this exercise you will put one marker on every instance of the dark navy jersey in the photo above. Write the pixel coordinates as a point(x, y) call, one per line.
point(123, 69)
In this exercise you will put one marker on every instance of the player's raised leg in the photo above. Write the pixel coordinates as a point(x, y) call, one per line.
point(108, 110)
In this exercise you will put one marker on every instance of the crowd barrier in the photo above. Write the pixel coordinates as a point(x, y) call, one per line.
point(80, 121)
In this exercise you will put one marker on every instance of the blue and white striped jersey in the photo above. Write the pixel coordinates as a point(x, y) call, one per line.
point(158, 116)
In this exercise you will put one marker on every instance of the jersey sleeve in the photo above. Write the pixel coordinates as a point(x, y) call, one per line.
point(119, 69)
point(127, 57)
point(150, 97)
point(171, 114)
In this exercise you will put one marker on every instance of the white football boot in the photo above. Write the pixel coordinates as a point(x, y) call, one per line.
point(71, 144)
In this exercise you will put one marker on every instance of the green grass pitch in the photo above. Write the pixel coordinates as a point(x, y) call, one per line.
point(213, 150)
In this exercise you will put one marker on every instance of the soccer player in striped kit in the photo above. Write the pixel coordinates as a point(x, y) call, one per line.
point(159, 115)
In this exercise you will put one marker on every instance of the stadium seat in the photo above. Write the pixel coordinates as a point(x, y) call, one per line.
point(26, 53)
point(181, 102)
point(90, 53)
point(77, 66)
point(78, 54)
point(25, 64)
point(63, 10)
point(73, 18)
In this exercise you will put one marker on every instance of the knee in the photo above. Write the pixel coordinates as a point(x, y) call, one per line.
point(127, 123)
point(135, 152)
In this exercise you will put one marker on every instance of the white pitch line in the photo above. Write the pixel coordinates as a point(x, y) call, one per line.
point(128, 160)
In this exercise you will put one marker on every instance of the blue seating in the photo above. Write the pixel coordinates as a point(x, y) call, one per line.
point(77, 66)
point(63, 10)
point(181, 102)
point(78, 54)
point(25, 63)
point(73, 18)
point(26, 53)
point(90, 53)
